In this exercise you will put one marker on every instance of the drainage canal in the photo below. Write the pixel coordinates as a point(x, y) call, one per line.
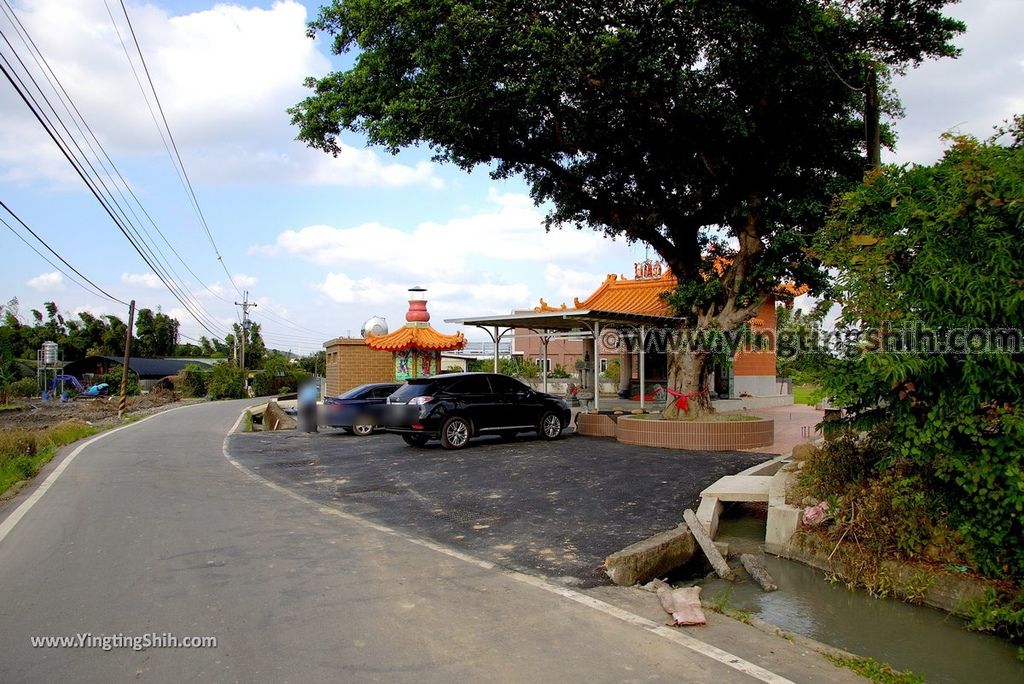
point(927, 641)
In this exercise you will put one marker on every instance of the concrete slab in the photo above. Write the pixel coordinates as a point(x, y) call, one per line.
point(740, 488)
point(651, 558)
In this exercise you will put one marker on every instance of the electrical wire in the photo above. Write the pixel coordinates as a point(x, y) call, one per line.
point(21, 88)
point(150, 254)
point(177, 155)
point(96, 288)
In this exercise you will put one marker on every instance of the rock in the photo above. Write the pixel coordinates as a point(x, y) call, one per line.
point(801, 452)
point(274, 418)
point(653, 557)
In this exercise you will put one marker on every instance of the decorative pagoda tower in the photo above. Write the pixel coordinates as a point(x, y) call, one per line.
point(416, 347)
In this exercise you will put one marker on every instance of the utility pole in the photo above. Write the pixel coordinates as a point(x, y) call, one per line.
point(122, 405)
point(245, 304)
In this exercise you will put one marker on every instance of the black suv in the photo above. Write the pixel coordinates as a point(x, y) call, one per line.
point(458, 406)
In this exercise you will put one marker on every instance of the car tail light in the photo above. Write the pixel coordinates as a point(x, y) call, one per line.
point(419, 401)
point(417, 426)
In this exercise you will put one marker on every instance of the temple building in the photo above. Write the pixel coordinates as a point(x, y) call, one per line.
point(564, 336)
point(413, 351)
point(416, 347)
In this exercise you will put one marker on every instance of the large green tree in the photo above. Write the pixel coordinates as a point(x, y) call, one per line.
point(930, 260)
point(157, 334)
point(716, 131)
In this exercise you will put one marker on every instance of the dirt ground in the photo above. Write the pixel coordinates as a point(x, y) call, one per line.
point(36, 413)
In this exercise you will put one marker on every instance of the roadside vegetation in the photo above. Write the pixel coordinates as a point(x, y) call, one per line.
point(927, 465)
point(23, 452)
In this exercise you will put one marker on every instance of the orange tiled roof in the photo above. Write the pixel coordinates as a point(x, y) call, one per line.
point(643, 296)
point(631, 296)
point(410, 337)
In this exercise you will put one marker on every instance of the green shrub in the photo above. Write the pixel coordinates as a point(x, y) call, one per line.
point(113, 379)
point(192, 380)
point(559, 371)
point(26, 387)
point(225, 382)
point(262, 384)
point(612, 371)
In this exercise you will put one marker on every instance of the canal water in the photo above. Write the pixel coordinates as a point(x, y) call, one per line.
point(929, 642)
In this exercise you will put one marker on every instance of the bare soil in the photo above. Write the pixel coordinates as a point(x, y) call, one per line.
point(35, 413)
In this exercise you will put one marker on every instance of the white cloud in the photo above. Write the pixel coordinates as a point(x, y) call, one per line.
point(149, 280)
point(566, 283)
point(47, 282)
point(445, 298)
point(243, 280)
point(225, 76)
point(511, 231)
point(970, 94)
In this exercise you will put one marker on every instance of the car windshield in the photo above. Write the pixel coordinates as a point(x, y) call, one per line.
point(353, 393)
point(411, 390)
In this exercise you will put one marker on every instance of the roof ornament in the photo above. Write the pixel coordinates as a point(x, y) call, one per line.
point(647, 270)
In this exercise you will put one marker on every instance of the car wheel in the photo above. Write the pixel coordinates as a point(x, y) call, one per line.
point(415, 440)
point(455, 432)
point(550, 426)
point(508, 434)
point(363, 427)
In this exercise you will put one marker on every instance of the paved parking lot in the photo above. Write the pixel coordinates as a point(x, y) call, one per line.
point(550, 508)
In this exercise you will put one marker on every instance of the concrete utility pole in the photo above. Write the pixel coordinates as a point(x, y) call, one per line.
point(245, 304)
point(122, 405)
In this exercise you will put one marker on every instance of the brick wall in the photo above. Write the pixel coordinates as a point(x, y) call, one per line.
point(747, 363)
point(351, 363)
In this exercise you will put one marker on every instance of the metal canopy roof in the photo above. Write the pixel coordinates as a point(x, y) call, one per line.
point(566, 319)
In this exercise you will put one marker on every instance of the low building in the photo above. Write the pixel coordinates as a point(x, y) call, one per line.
point(149, 371)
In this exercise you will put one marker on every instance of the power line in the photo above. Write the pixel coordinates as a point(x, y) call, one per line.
point(78, 120)
point(97, 288)
point(106, 199)
point(177, 154)
point(30, 101)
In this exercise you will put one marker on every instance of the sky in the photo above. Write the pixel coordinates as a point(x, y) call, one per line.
point(323, 243)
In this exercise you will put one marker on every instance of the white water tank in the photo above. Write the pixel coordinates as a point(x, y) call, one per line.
point(49, 353)
point(375, 326)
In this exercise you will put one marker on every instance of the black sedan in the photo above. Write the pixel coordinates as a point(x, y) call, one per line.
point(456, 407)
point(356, 411)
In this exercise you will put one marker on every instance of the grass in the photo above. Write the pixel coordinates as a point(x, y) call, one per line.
point(248, 421)
point(883, 673)
point(24, 452)
point(807, 394)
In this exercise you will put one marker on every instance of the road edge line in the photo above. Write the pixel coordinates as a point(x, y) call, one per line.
point(696, 645)
point(14, 517)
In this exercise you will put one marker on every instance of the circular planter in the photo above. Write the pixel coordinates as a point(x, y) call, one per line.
point(695, 434)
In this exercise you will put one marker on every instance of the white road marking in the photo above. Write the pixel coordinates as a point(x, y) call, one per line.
point(685, 640)
point(11, 520)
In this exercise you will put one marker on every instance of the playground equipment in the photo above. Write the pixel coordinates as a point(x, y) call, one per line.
point(99, 390)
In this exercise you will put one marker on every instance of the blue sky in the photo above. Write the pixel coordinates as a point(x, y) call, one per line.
point(324, 243)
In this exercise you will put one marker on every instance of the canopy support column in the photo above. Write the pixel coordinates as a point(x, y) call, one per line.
point(643, 350)
point(597, 366)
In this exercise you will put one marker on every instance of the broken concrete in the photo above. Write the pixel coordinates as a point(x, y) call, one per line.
point(708, 546)
point(274, 418)
point(651, 558)
point(758, 572)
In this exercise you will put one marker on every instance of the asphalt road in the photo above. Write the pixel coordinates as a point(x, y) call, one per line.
point(152, 529)
point(556, 509)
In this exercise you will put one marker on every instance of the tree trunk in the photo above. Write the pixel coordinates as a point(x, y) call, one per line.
point(872, 117)
point(689, 372)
